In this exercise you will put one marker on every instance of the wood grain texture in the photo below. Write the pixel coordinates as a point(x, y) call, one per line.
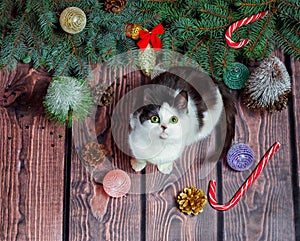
point(31, 163)
point(195, 167)
point(94, 215)
point(32, 153)
point(164, 221)
point(295, 67)
point(265, 212)
point(295, 132)
point(24, 89)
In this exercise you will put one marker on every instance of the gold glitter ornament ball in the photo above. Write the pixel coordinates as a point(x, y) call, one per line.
point(133, 30)
point(72, 20)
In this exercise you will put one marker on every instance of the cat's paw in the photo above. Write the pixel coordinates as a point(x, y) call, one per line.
point(165, 168)
point(137, 165)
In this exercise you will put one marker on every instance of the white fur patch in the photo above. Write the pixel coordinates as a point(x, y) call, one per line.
point(149, 142)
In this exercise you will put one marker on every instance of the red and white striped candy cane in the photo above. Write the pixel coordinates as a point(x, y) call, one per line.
point(239, 24)
point(246, 185)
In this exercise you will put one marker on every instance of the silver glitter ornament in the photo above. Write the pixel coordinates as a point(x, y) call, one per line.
point(147, 59)
point(268, 86)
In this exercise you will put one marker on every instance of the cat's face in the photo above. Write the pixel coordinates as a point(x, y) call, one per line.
point(162, 123)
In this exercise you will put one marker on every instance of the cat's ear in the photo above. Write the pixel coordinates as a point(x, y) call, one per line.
point(181, 100)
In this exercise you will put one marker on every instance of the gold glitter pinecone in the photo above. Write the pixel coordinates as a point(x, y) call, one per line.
point(191, 200)
point(93, 153)
point(103, 94)
point(114, 6)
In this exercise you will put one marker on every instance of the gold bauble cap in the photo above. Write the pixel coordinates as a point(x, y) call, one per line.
point(72, 20)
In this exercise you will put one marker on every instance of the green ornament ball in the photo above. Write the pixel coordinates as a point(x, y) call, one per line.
point(236, 76)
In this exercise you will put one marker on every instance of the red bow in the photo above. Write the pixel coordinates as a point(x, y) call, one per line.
point(151, 37)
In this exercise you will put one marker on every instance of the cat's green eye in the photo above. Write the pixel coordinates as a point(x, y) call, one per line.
point(173, 120)
point(154, 119)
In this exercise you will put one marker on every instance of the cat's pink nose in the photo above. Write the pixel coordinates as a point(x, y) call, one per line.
point(163, 126)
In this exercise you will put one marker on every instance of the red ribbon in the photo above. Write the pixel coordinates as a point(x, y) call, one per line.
point(151, 37)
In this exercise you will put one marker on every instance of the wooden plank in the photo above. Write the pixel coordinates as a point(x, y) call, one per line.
point(295, 68)
point(296, 104)
point(31, 163)
point(94, 215)
point(164, 221)
point(195, 167)
point(265, 212)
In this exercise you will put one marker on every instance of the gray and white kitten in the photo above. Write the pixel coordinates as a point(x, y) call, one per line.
point(173, 117)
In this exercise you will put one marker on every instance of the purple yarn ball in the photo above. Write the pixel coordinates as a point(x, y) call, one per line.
point(240, 157)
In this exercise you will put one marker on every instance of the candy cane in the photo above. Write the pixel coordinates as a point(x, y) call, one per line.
point(246, 185)
point(239, 24)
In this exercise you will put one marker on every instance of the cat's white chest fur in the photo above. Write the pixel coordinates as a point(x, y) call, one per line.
point(145, 146)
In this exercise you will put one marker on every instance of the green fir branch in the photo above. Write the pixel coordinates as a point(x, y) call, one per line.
point(260, 36)
point(12, 44)
point(6, 7)
point(288, 41)
point(289, 9)
point(194, 28)
point(250, 7)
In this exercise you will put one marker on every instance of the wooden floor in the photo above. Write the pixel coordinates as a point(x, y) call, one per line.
point(48, 193)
